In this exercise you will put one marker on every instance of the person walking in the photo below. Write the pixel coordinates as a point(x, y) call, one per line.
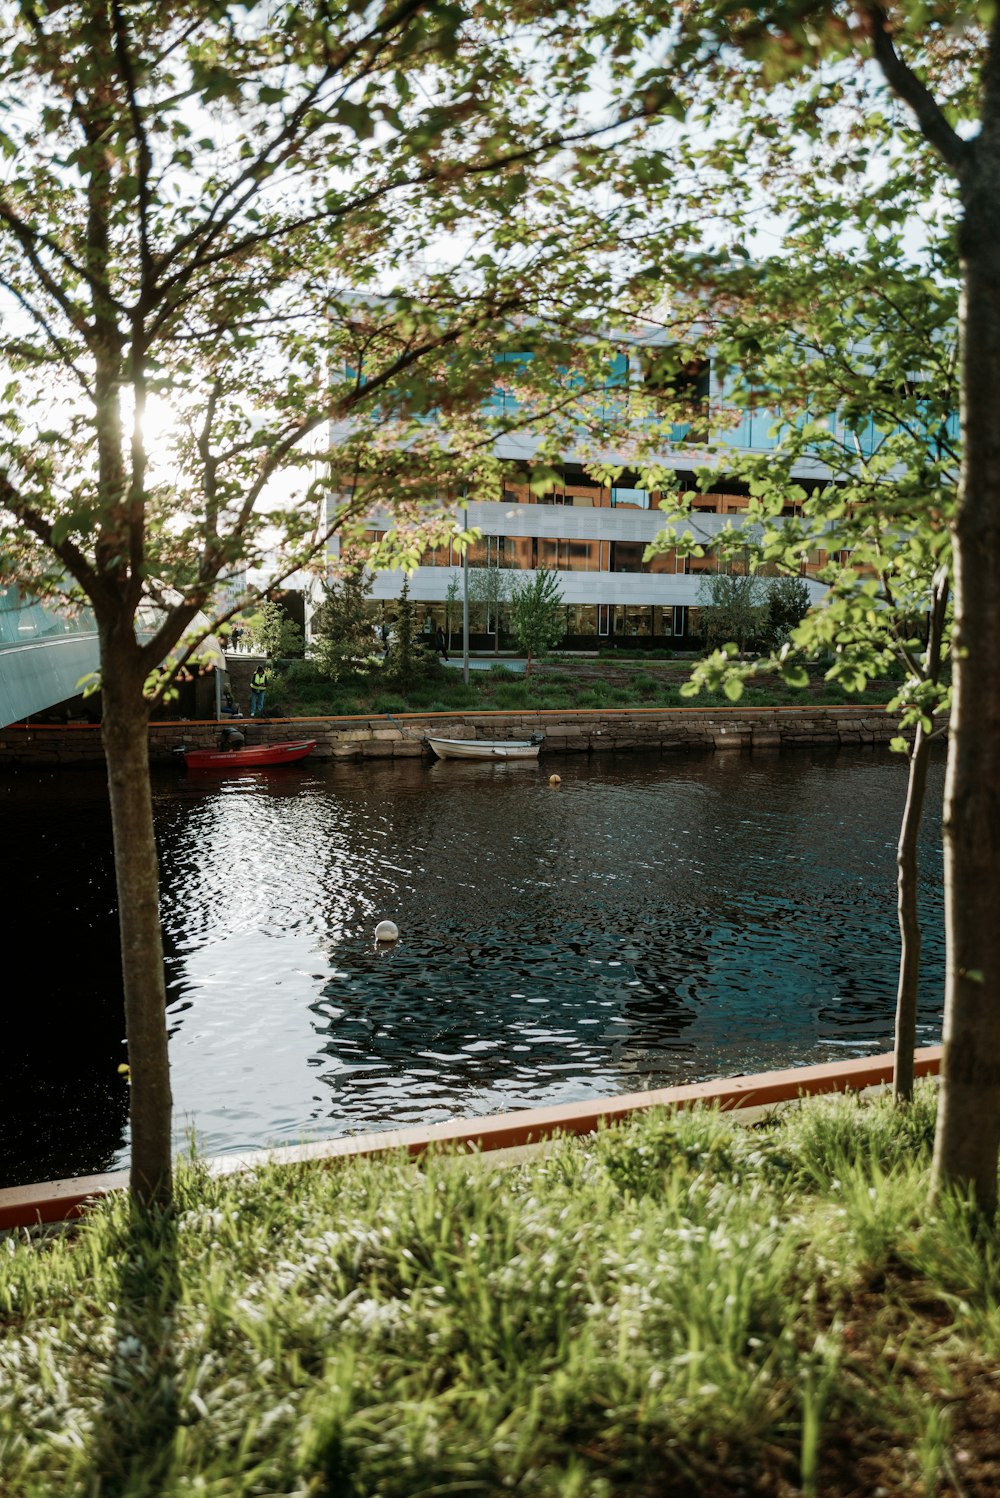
point(441, 643)
point(258, 686)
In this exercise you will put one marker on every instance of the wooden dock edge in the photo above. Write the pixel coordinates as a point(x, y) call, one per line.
point(57, 1201)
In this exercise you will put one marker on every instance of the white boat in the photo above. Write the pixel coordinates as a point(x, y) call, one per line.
point(486, 748)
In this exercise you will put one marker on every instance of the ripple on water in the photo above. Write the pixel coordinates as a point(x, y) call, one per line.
point(658, 920)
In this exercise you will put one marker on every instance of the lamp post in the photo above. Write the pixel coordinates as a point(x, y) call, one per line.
point(465, 616)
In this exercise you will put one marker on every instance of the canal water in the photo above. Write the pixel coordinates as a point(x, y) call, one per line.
point(648, 921)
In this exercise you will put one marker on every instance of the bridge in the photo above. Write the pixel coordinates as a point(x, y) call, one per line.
point(45, 653)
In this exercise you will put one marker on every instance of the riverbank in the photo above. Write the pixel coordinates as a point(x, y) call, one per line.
point(679, 1305)
point(57, 1201)
point(557, 683)
point(401, 735)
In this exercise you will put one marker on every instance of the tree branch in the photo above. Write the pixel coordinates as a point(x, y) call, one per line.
point(39, 319)
point(145, 159)
point(71, 557)
point(950, 146)
point(30, 239)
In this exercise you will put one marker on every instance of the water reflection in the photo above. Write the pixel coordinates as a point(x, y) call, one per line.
point(651, 920)
point(65, 1104)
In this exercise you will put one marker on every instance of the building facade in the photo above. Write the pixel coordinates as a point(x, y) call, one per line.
point(594, 535)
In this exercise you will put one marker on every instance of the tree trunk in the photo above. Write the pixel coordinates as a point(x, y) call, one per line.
point(125, 732)
point(968, 1130)
point(909, 926)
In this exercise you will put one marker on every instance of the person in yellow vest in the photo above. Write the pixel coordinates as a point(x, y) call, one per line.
point(258, 686)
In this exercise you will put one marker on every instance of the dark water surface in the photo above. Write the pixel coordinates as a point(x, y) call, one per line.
point(651, 920)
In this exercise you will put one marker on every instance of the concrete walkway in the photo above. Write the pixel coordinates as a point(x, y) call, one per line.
point(487, 662)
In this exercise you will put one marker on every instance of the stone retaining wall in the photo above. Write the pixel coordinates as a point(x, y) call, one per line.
point(378, 737)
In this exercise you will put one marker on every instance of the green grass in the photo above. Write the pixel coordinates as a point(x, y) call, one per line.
point(677, 1307)
point(554, 684)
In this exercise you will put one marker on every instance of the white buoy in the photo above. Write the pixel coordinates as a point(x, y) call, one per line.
point(555, 780)
point(387, 931)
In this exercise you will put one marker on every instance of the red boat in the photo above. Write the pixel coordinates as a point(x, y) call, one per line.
point(248, 759)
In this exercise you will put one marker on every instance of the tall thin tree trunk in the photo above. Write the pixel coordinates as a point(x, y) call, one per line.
point(968, 1130)
point(125, 733)
point(909, 925)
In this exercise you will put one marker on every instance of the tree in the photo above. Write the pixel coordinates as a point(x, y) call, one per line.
point(452, 597)
point(490, 590)
point(274, 632)
point(342, 629)
point(749, 610)
point(198, 204)
point(733, 607)
point(803, 105)
point(788, 603)
point(864, 355)
point(536, 613)
point(405, 658)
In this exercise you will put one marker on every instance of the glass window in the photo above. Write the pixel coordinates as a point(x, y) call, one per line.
point(630, 499)
point(580, 489)
point(516, 551)
point(582, 619)
point(579, 556)
point(633, 620)
point(664, 561)
point(626, 556)
point(684, 386)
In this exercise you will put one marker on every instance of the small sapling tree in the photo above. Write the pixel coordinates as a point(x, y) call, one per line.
point(343, 638)
point(537, 614)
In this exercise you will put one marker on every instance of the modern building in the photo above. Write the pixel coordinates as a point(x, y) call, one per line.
point(594, 535)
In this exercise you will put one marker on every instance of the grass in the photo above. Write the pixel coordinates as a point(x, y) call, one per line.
point(681, 1306)
point(554, 684)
